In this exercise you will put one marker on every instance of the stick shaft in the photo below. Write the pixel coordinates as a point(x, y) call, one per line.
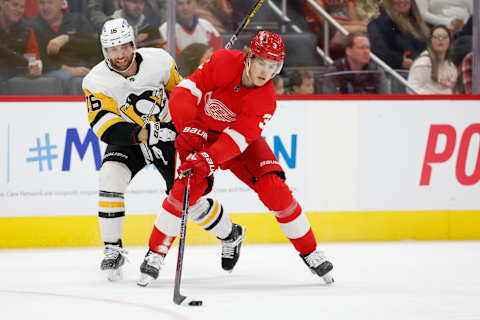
point(244, 24)
point(177, 297)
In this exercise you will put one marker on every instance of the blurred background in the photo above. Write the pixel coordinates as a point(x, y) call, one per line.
point(333, 46)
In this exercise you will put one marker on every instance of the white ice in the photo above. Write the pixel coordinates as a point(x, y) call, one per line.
point(405, 280)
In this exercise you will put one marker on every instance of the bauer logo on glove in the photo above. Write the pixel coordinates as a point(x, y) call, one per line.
point(193, 130)
point(210, 162)
point(201, 163)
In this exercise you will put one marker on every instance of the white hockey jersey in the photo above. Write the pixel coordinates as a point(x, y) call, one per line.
point(203, 32)
point(113, 100)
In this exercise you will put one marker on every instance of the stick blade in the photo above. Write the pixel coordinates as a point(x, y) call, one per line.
point(186, 301)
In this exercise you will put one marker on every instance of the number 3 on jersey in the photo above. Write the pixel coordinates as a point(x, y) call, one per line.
point(93, 103)
point(266, 118)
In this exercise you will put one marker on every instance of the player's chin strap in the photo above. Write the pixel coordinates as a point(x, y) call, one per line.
point(247, 65)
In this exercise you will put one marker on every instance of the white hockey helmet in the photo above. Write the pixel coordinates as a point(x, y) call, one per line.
point(116, 32)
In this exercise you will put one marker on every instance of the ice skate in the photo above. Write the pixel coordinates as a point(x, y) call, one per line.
point(150, 267)
point(113, 260)
point(231, 247)
point(319, 265)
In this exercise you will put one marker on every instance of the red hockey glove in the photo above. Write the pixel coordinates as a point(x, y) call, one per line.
point(191, 139)
point(201, 163)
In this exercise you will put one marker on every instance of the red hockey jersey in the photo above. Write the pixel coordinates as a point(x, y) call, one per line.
point(233, 115)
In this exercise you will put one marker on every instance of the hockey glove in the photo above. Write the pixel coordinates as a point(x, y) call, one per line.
point(159, 132)
point(202, 164)
point(152, 153)
point(191, 139)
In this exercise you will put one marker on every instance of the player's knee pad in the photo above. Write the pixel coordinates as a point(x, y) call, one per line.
point(273, 192)
point(114, 176)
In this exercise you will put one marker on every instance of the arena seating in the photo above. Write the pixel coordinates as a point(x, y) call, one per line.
point(33, 86)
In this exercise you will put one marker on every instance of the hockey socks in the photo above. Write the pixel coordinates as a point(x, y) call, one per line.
point(206, 212)
point(111, 215)
point(276, 196)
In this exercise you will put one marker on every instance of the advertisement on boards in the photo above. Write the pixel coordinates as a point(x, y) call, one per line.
point(51, 161)
point(419, 155)
point(356, 155)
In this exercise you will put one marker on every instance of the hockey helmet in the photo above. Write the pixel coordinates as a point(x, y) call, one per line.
point(116, 32)
point(268, 45)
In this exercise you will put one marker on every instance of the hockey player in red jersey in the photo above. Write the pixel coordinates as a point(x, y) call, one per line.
point(220, 112)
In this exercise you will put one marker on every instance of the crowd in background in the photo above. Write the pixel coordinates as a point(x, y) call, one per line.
point(429, 42)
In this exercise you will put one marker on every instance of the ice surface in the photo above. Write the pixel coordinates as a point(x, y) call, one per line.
point(405, 280)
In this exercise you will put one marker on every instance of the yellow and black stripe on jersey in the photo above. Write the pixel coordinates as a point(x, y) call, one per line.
point(102, 112)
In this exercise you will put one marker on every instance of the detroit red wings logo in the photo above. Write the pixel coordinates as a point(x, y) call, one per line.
point(217, 110)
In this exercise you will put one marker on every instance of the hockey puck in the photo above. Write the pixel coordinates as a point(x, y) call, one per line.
point(195, 303)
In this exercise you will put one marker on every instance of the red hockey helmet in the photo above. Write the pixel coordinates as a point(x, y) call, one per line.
point(268, 45)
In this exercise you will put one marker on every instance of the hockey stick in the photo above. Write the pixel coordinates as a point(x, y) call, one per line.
point(149, 115)
point(178, 298)
point(244, 24)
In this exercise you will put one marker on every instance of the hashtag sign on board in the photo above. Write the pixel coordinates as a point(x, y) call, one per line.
point(44, 153)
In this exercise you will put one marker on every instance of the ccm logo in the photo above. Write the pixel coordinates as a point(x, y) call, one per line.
point(431, 156)
point(200, 132)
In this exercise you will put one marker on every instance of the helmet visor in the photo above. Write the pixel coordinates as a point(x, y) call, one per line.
point(269, 65)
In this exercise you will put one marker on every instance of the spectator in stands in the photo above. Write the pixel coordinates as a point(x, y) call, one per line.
point(67, 42)
point(100, 10)
point(191, 57)
point(77, 6)
point(18, 39)
point(192, 29)
point(132, 11)
point(278, 84)
point(344, 12)
point(451, 13)
point(301, 81)
point(433, 72)
point(466, 74)
point(399, 34)
point(467, 29)
point(463, 42)
point(355, 72)
point(218, 12)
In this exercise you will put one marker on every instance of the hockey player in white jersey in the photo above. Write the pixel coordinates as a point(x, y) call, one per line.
point(127, 102)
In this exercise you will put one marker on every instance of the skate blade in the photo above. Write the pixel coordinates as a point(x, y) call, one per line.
point(144, 280)
point(113, 274)
point(328, 278)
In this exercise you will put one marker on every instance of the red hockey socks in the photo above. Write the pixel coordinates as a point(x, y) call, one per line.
point(276, 196)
